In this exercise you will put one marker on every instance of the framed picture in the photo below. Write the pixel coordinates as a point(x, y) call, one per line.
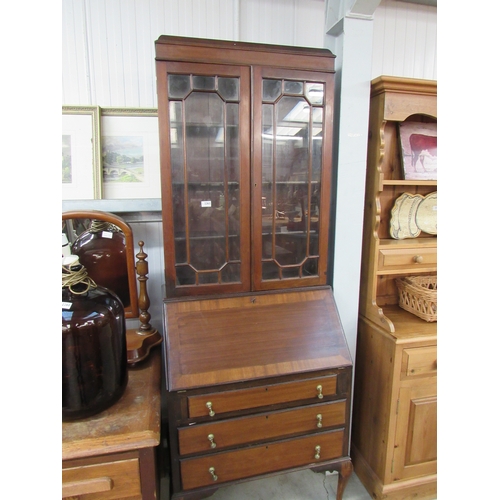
point(81, 166)
point(130, 153)
point(419, 150)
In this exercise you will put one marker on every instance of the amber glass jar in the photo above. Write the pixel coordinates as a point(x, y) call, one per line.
point(101, 250)
point(94, 351)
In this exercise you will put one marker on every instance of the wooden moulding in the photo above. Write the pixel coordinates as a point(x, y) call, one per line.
point(174, 48)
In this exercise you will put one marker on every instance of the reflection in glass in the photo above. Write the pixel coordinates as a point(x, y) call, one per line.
point(271, 89)
point(229, 88)
point(292, 129)
point(178, 86)
point(203, 82)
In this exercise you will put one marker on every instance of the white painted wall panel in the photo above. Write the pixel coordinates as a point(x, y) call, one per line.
point(405, 40)
point(75, 75)
point(108, 46)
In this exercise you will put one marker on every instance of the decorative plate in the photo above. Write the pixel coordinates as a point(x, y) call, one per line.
point(412, 214)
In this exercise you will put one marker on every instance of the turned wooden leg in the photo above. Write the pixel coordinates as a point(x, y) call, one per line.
point(344, 475)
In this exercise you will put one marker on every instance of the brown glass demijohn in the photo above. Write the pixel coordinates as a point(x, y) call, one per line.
point(94, 350)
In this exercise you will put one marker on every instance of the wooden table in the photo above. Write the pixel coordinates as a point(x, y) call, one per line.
point(112, 455)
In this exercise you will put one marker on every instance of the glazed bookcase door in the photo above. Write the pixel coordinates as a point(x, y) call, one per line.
point(293, 117)
point(205, 186)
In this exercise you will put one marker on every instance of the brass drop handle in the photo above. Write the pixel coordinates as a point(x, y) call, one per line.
point(319, 388)
point(319, 417)
point(212, 472)
point(211, 438)
point(317, 450)
point(210, 411)
point(418, 259)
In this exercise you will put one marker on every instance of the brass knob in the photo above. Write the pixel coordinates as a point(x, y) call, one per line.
point(418, 259)
point(212, 472)
point(317, 450)
point(319, 417)
point(211, 439)
point(210, 411)
point(319, 388)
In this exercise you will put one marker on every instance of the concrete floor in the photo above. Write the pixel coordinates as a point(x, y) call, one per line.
point(301, 485)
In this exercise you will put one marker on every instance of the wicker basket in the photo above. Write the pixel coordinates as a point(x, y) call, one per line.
point(418, 295)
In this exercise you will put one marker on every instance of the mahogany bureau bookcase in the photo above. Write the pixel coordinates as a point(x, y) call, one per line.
point(258, 373)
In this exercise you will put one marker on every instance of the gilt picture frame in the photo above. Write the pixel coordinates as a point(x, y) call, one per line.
point(130, 153)
point(81, 166)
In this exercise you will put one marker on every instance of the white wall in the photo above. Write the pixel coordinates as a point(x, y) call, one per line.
point(108, 60)
point(405, 40)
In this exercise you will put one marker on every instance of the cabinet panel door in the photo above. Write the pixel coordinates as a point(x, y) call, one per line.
point(204, 128)
point(415, 447)
point(293, 116)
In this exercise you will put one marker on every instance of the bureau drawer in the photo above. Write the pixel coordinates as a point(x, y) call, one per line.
point(215, 436)
point(105, 481)
point(419, 361)
point(406, 258)
point(256, 460)
point(266, 395)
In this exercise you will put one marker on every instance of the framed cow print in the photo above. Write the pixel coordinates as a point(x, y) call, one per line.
point(418, 142)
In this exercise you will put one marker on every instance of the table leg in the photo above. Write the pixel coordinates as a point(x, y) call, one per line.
point(344, 475)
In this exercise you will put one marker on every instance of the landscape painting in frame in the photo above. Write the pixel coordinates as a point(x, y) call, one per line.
point(130, 153)
point(418, 150)
point(122, 158)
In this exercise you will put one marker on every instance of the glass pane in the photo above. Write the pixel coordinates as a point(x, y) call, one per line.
point(294, 87)
point(270, 271)
point(230, 273)
point(271, 90)
point(229, 88)
point(315, 92)
point(185, 275)
point(178, 86)
point(205, 160)
point(208, 278)
point(292, 134)
point(204, 141)
point(291, 272)
point(176, 142)
point(204, 82)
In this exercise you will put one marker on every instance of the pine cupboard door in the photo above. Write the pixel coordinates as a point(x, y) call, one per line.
point(204, 126)
point(291, 183)
point(415, 447)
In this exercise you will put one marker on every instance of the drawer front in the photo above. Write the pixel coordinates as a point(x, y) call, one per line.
point(215, 436)
point(419, 361)
point(256, 460)
point(106, 481)
point(255, 397)
point(407, 258)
